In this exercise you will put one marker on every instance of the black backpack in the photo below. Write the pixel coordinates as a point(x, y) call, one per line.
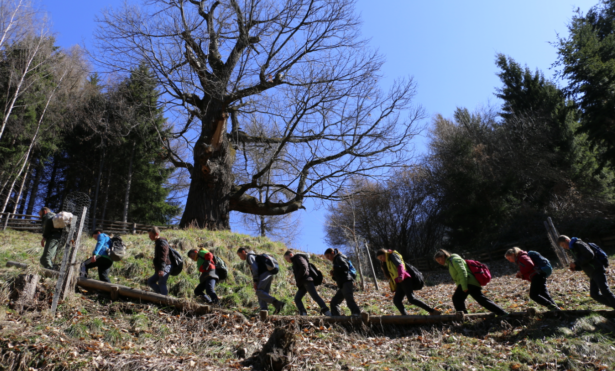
point(117, 250)
point(221, 268)
point(418, 282)
point(177, 263)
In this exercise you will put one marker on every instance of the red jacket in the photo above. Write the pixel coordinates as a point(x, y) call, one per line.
point(526, 266)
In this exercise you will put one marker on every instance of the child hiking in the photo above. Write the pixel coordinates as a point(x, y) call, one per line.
point(529, 271)
point(593, 262)
point(305, 282)
point(400, 281)
point(467, 284)
point(345, 283)
point(208, 279)
point(100, 258)
point(263, 268)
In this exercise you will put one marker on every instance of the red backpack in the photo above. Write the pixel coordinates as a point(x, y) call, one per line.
point(480, 271)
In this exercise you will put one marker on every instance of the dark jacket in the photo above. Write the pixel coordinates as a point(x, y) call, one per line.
point(161, 254)
point(584, 257)
point(49, 232)
point(341, 269)
point(301, 269)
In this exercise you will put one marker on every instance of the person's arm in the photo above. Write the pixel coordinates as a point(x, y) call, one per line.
point(401, 269)
point(584, 255)
point(526, 267)
point(253, 267)
point(303, 269)
point(460, 267)
point(101, 245)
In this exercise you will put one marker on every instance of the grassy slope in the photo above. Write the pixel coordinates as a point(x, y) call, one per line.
point(91, 331)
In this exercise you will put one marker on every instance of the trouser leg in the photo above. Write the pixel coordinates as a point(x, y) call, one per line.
point(348, 292)
point(406, 286)
point(481, 299)
point(153, 282)
point(336, 300)
point(210, 288)
point(49, 252)
point(539, 292)
point(104, 266)
point(398, 300)
point(459, 300)
point(162, 282)
point(299, 300)
point(311, 289)
point(199, 290)
point(262, 290)
point(599, 289)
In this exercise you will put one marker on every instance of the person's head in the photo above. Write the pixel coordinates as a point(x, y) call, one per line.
point(242, 252)
point(564, 242)
point(193, 254)
point(288, 255)
point(381, 255)
point(441, 256)
point(154, 233)
point(44, 211)
point(331, 253)
point(96, 233)
point(511, 254)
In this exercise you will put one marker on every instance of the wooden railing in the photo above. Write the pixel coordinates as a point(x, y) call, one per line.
point(32, 223)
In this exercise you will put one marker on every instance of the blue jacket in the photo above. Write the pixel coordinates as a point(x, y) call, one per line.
point(103, 244)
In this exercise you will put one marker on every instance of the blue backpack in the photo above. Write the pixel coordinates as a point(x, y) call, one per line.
point(541, 264)
point(352, 270)
point(599, 254)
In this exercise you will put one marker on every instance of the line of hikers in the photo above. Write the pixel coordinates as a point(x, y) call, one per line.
point(404, 279)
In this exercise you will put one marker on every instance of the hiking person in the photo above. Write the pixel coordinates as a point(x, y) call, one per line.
point(262, 277)
point(593, 262)
point(207, 282)
point(304, 282)
point(51, 238)
point(100, 257)
point(162, 263)
point(530, 271)
point(345, 283)
point(400, 281)
point(467, 284)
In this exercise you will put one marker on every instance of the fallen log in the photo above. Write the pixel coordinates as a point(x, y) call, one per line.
point(126, 291)
point(24, 290)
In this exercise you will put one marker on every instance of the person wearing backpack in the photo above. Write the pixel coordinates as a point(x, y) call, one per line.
point(262, 275)
point(207, 282)
point(345, 283)
point(467, 284)
point(400, 281)
point(593, 261)
point(162, 263)
point(51, 238)
point(530, 271)
point(305, 282)
point(100, 257)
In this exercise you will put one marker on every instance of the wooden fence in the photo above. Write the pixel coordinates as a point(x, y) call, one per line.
point(32, 223)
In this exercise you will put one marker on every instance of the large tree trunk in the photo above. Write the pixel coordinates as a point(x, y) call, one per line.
point(208, 203)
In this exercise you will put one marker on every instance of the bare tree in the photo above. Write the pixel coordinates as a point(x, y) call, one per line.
point(298, 64)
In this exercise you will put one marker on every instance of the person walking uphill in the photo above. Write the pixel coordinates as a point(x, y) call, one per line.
point(162, 263)
point(305, 283)
point(205, 264)
point(51, 238)
point(262, 274)
point(345, 283)
point(467, 284)
point(100, 257)
point(588, 259)
point(530, 272)
point(400, 281)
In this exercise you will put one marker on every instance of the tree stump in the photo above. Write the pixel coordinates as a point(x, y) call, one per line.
point(24, 290)
point(278, 350)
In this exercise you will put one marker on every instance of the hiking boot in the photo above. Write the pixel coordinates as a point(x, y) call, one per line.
point(435, 312)
point(327, 313)
point(278, 305)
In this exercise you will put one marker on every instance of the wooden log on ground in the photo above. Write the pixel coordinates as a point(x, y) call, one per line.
point(136, 294)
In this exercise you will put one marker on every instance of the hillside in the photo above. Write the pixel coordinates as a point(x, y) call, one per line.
point(92, 332)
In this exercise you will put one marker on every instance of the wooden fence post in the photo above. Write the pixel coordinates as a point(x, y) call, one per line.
point(134, 228)
point(371, 264)
point(6, 221)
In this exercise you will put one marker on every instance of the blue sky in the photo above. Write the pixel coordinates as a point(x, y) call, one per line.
point(449, 48)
